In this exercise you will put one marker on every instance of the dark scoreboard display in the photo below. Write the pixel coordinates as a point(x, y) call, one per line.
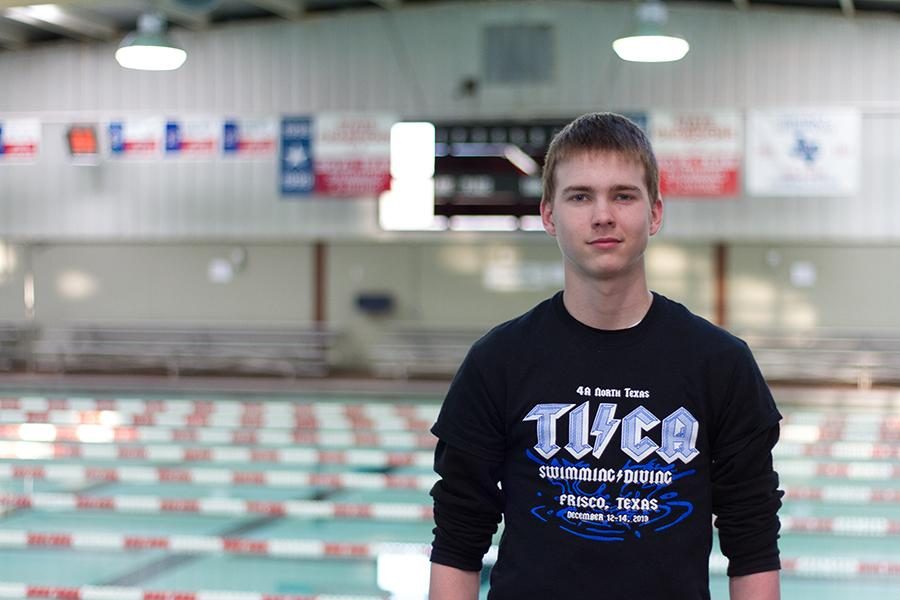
point(490, 168)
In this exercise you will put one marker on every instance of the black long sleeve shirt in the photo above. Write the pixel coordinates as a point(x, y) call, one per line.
point(607, 453)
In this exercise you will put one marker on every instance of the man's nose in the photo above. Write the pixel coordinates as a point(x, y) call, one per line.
point(602, 214)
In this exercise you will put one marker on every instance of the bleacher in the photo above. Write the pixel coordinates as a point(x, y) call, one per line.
point(859, 358)
point(182, 349)
point(856, 357)
point(411, 351)
point(15, 343)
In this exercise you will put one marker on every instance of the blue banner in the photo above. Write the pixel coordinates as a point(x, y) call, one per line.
point(116, 138)
point(173, 137)
point(297, 176)
point(230, 139)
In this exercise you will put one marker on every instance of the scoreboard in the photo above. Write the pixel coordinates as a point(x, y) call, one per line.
point(491, 167)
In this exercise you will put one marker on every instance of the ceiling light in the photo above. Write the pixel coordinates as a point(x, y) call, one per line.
point(149, 48)
point(649, 43)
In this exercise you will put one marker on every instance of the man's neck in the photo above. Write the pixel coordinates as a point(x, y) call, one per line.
point(608, 305)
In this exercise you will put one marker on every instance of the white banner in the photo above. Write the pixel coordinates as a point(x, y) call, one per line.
point(699, 153)
point(253, 138)
point(20, 139)
point(803, 152)
point(352, 154)
point(136, 138)
point(195, 137)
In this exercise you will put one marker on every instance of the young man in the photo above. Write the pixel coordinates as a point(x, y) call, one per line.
point(615, 422)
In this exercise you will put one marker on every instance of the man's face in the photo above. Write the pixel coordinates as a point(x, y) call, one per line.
point(601, 216)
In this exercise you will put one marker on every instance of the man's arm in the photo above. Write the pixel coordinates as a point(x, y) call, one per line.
point(449, 583)
point(758, 586)
point(467, 508)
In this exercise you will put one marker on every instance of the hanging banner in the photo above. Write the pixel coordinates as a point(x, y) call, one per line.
point(193, 137)
point(353, 154)
point(699, 153)
point(250, 138)
point(20, 139)
point(136, 138)
point(803, 152)
point(297, 175)
point(83, 144)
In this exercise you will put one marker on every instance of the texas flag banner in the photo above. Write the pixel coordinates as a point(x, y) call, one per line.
point(250, 138)
point(699, 153)
point(20, 140)
point(194, 137)
point(352, 154)
point(803, 152)
point(136, 138)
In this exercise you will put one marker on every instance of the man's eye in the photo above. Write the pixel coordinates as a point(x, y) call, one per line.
point(625, 197)
point(578, 197)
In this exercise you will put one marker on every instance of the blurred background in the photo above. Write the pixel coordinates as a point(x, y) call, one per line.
point(244, 260)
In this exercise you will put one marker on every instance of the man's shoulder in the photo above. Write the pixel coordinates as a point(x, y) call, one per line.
point(698, 330)
point(517, 330)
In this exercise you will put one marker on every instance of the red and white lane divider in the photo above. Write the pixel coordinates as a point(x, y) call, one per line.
point(313, 456)
point(839, 494)
point(132, 504)
point(829, 432)
point(846, 470)
point(216, 454)
point(390, 417)
point(842, 418)
point(822, 567)
point(381, 511)
point(370, 410)
point(18, 591)
point(45, 432)
point(811, 566)
point(825, 567)
point(796, 434)
point(220, 421)
point(318, 549)
point(427, 411)
point(101, 434)
point(232, 507)
point(841, 450)
point(855, 526)
point(145, 475)
point(103, 450)
point(200, 544)
point(277, 478)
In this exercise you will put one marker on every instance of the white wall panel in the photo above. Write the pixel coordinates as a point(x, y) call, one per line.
point(850, 291)
point(168, 283)
point(410, 62)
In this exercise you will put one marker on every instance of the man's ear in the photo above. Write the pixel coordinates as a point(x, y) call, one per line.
point(547, 217)
point(656, 215)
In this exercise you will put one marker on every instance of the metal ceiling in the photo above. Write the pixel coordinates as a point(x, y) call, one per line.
point(24, 23)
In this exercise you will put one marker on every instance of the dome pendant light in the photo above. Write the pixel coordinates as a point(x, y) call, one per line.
point(649, 43)
point(149, 48)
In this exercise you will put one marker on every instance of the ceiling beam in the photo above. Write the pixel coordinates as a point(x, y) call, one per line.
point(289, 9)
point(180, 15)
point(78, 3)
point(388, 4)
point(12, 37)
point(64, 21)
point(848, 8)
point(742, 4)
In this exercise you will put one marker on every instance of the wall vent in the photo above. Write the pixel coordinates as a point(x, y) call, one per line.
point(518, 54)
